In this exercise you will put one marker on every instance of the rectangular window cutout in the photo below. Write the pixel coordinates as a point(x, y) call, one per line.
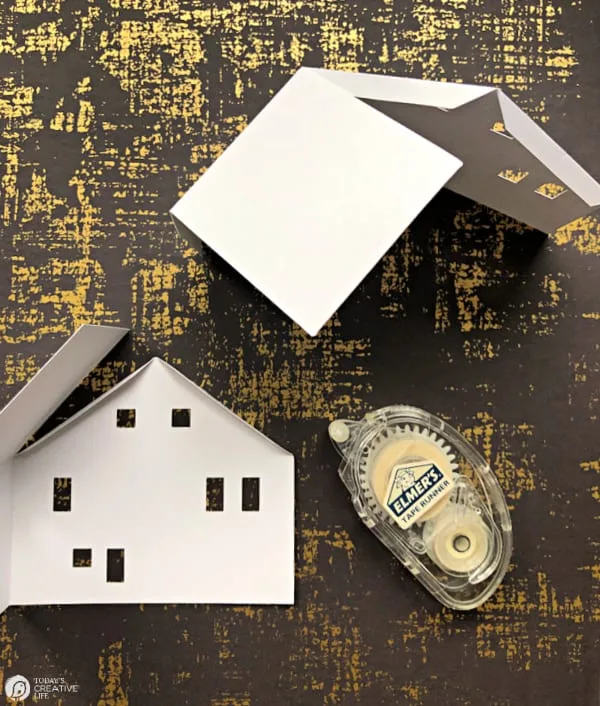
point(513, 175)
point(551, 191)
point(82, 557)
point(126, 418)
point(62, 495)
point(181, 418)
point(115, 565)
point(251, 494)
point(214, 494)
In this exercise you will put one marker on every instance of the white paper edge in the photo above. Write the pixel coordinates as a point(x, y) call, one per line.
point(529, 134)
point(401, 89)
point(28, 409)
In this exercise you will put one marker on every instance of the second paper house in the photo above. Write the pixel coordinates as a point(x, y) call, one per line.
point(329, 174)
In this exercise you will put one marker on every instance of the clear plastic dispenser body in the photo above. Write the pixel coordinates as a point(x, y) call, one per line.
point(430, 498)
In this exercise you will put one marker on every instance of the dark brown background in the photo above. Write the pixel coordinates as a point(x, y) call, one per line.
point(112, 109)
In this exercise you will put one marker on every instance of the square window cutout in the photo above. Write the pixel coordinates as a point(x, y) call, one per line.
point(500, 129)
point(513, 175)
point(181, 418)
point(126, 418)
point(82, 557)
point(551, 191)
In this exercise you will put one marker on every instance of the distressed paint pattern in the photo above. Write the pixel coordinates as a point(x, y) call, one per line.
point(108, 112)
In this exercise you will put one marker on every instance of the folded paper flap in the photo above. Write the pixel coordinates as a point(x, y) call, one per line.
point(500, 169)
point(312, 194)
point(522, 128)
point(450, 96)
point(397, 89)
point(73, 419)
point(323, 185)
point(464, 127)
point(52, 384)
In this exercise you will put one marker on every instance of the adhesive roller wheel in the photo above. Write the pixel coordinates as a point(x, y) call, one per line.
point(457, 540)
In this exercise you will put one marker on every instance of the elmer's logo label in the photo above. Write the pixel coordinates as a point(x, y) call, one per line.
point(413, 490)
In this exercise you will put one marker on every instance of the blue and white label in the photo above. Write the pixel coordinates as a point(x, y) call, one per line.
point(413, 490)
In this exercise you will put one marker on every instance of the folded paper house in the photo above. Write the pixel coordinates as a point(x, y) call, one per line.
point(153, 493)
point(323, 181)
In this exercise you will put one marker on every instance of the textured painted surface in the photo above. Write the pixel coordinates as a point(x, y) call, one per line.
point(108, 112)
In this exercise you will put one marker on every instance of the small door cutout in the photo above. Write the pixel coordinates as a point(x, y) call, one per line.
point(181, 418)
point(250, 494)
point(62, 495)
point(214, 494)
point(126, 418)
point(115, 565)
point(82, 558)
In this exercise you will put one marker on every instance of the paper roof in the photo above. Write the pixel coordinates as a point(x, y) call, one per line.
point(53, 383)
point(323, 181)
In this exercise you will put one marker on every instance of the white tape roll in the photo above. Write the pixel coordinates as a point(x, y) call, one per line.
point(457, 540)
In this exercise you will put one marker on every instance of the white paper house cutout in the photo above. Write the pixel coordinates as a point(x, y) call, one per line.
point(135, 502)
point(329, 174)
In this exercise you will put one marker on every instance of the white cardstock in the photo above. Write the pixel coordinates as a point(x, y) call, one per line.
point(310, 196)
point(135, 469)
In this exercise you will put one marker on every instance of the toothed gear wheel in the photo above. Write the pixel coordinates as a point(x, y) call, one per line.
point(399, 445)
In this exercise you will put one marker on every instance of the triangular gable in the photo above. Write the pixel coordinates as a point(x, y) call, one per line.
point(126, 382)
point(52, 384)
